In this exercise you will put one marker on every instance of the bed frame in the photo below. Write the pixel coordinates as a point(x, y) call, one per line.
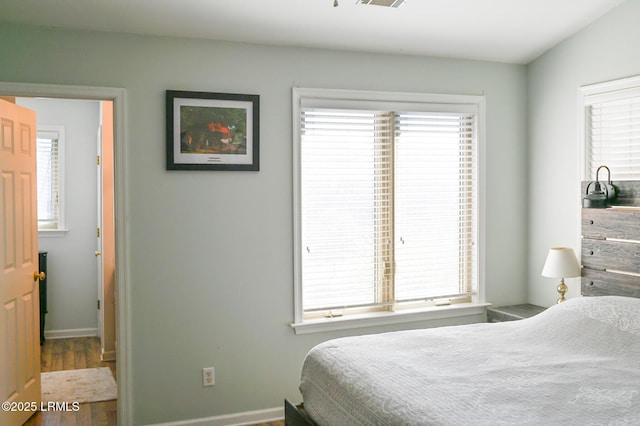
point(294, 415)
point(610, 259)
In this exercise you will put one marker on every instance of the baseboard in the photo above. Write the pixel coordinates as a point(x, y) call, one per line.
point(108, 356)
point(74, 332)
point(238, 419)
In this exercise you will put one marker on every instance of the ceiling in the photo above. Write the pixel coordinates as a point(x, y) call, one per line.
point(513, 31)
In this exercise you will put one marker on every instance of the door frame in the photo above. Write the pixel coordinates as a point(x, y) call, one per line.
point(123, 313)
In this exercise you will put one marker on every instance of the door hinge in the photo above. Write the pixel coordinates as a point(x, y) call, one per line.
point(98, 160)
point(98, 232)
point(98, 305)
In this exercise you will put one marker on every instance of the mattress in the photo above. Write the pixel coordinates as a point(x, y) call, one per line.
point(577, 363)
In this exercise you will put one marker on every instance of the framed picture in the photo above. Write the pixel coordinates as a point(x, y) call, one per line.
point(212, 131)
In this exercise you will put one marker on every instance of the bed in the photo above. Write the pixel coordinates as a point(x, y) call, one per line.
point(576, 363)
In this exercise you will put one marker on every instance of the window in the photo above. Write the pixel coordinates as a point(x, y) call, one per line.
point(386, 201)
point(611, 128)
point(50, 155)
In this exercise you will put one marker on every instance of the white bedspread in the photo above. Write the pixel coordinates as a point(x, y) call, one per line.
point(577, 363)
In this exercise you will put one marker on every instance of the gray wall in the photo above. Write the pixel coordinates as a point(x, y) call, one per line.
point(606, 50)
point(210, 254)
point(71, 266)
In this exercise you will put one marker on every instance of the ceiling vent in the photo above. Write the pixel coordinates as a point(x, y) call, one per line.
point(385, 3)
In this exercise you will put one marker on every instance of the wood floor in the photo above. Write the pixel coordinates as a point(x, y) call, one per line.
point(73, 354)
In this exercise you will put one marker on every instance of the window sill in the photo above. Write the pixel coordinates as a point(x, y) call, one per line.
point(387, 318)
point(52, 233)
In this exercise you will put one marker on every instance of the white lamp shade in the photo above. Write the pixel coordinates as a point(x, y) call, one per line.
point(561, 263)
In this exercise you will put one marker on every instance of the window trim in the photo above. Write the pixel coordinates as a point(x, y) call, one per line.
point(595, 93)
point(59, 130)
point(382, 318)
point(401, 100)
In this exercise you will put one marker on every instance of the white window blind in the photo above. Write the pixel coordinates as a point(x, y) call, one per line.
point(49, 178)
point(434, 205)
point(339, 160)
point(387, 206)
point(612, 129)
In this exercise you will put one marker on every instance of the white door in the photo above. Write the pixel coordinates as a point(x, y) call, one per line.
point(99, 248)
point(19, 285)
point(106, 221)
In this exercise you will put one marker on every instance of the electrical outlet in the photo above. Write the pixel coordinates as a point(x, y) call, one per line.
point(208, 376)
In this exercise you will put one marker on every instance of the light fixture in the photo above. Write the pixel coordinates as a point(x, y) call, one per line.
point(599, 198)
point(561, 263)
point(385, 3)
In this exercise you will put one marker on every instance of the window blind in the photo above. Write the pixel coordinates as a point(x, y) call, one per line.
point(387, 207)
point(613, 137)
point(344, 157)
point(48, 179)
point(434, 211)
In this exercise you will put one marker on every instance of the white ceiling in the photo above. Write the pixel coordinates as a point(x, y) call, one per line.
point(514, 31)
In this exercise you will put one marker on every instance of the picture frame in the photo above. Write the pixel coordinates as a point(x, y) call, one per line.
point(212, 131)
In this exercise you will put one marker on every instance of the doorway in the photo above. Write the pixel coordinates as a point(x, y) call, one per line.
point(76, 239)
point(117, 96)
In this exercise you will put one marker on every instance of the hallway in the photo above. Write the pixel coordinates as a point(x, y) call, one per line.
point(71, 354)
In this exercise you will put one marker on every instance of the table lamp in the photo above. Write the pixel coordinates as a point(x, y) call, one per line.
point(561, 263)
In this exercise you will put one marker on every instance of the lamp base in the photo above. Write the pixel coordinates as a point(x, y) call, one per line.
point(562, 289)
